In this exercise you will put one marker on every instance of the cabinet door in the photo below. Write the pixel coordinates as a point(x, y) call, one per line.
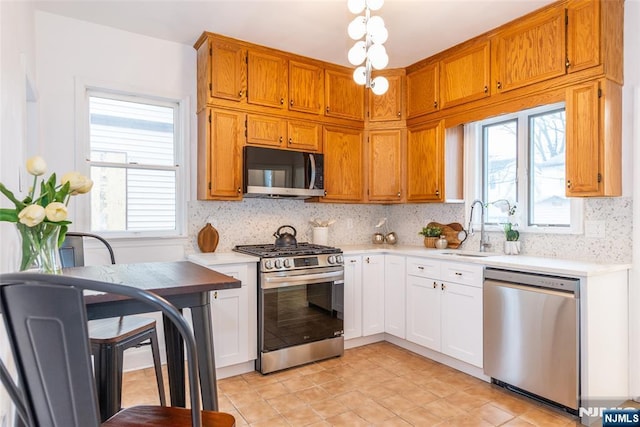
point(306, 87)
point(594, 140)
point(343, 171)
point(372, 294)
point(422, 90)
point(423, 311)
point(583, 34)
point(394, 295)
point(465, 76)
point(352, 297)
point(385, 165)
point(425, 163)
point(530, 50)
point(228, 70)
point(267, 79)
point(305, 136)
point(220, 139)
point(344, 98)
point(266, 131)
point(388, 106)
point(462, 322)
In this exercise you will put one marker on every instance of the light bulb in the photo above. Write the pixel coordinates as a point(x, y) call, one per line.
point(357, 28)
point(358, 53)
point(356, 6)
point(379, 85)
point(378, 56)
point(360, 75)
point(374, 4)
point(379, 35)
point(375, 23)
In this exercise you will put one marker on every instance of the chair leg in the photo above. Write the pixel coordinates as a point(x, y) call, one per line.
point(108, 380)
point(157, 363)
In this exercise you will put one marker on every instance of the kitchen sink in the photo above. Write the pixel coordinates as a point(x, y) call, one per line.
point(469, 254)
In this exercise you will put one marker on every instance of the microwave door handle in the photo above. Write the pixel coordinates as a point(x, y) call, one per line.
point(312, 179)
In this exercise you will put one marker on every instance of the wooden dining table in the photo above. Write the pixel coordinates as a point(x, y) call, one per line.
point(185, 285)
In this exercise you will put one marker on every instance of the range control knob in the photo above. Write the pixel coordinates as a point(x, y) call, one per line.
point(331, 259)
point(268, 265)
point(340, 259)
point(287, 263)
point(278, 263)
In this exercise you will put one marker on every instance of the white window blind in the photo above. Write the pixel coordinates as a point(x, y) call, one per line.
point(133, 164)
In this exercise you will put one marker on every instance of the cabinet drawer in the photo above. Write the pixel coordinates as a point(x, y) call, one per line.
point(466, 274)
point(422, 267)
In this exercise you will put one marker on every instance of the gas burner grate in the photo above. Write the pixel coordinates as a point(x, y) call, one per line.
point(272, 251)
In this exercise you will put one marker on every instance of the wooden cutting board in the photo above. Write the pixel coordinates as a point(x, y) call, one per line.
point(208, 238)
point(451, 232)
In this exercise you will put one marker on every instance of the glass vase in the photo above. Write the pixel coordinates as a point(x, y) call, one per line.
point(39, 245)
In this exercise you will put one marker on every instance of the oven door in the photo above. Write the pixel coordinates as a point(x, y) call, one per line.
point(299, 307)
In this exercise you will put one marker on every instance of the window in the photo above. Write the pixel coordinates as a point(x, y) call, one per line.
point(134, 163)
point(521, 159)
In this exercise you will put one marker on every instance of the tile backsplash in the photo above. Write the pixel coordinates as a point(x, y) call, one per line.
point(253, 221)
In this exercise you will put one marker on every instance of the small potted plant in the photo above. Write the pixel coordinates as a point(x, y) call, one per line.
point(431, 234)
point(512, 244)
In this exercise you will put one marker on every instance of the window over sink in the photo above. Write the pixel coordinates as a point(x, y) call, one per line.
point(521, 158)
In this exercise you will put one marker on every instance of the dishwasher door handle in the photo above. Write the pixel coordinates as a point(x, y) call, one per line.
point(565, 294)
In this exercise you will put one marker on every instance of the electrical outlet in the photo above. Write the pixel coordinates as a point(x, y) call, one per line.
point(349, 223)
point(595, 229)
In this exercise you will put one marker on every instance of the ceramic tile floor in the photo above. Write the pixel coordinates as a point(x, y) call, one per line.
point(374, 385)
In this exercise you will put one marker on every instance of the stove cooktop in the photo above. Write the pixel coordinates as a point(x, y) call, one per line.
point(272, 251)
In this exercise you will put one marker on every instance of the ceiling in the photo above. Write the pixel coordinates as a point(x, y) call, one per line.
point(313, 28)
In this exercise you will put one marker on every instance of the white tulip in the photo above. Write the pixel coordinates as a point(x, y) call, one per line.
point(56, 211)
point(36, 166)
point(32, 215)
point(78, 183)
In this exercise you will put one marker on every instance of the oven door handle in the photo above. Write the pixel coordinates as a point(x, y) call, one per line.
point(302, 279)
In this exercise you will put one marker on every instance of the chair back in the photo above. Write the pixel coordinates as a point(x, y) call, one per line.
point(72, 249)
point(46, 323)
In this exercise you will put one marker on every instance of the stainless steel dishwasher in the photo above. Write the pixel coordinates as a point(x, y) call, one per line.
point(531, 335)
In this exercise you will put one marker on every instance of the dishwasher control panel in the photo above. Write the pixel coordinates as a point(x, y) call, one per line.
point(566, 284)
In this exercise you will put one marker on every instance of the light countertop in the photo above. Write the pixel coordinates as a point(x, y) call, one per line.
point(221, 258)
point(518, 262)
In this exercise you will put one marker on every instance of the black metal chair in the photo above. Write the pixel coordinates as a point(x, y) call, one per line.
point(46, 324)
point(111, 337)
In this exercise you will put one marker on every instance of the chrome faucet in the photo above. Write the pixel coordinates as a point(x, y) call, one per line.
point(484, 241)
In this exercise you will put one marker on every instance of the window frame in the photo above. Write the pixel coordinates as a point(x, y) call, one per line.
point(474, 179)
point(83, 153)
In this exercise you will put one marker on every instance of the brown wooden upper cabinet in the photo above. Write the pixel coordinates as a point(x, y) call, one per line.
point(222, 71)
point(593, 126)
point(278, 132)
point(343, 97)
point(384, 164)
point(220, 141)
point(425, 162)
point(306, 87)
point(529, 50)
point(465, 75)
point(423, 90)
point(388, 106)
point(343, 164)
point(267, 79)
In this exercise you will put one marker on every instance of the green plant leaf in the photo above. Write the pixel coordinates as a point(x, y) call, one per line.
point(62, 235)
point(4, 190)
point(9, 215)
point(63, 192)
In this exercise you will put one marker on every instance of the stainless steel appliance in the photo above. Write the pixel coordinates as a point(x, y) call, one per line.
point(531, 335)
point(300, 304)
point(270, 172)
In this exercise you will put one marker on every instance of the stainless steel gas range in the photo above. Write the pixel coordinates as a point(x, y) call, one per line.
point(300, 304)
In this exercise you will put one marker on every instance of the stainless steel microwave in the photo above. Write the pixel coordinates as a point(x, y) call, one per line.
point(270, 172)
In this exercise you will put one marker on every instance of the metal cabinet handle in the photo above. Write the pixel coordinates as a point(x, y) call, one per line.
point(281, 101)
point(486, 89)
point(435, 285)
point(499, 85)
point(438, 193)
point(215, 295)
point(442, 286)
point(398, 194)
point(420, 267)
point(435, 104)
point(353, 260)
point(239, 190)
point(240, 93)
point(367, 260)
point(569, 183)
point(567, 64)
point(399, 113)
point(327, 109)
point(290, 140)
point(458, 274)
point(281, 138)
